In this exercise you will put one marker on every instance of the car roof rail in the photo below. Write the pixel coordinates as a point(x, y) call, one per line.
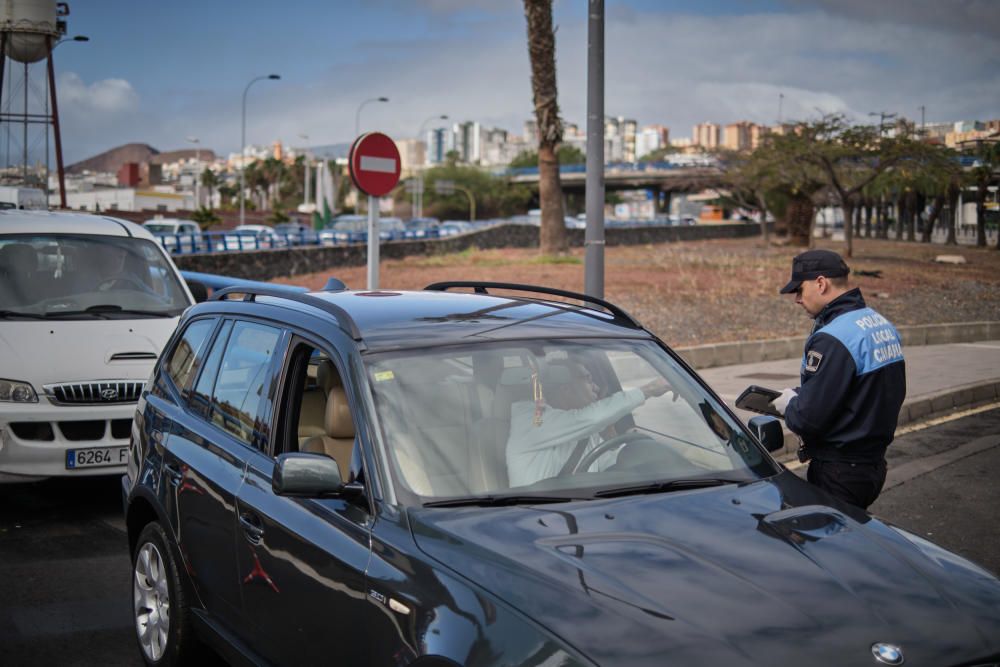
point(481, 287)
point(344, 320)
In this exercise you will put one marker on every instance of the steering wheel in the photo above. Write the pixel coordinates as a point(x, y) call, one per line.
point(588, 459)
point(127, 281)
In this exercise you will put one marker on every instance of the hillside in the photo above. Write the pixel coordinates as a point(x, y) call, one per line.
point(111, 160)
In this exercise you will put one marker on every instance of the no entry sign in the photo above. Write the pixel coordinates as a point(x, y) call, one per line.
point(374, 164)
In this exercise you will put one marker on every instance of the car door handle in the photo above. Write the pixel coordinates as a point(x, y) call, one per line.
point(174, 473)
point(251, 527)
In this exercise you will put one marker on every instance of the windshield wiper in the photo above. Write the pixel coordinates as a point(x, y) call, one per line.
point(5, 314)
point(498, 501)
point(666, 487)
point(103, 310)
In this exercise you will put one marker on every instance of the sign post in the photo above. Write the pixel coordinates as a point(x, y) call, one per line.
point(374, 164)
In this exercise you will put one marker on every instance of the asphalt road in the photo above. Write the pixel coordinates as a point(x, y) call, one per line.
point(65, 596)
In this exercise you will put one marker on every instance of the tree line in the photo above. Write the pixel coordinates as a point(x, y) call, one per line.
point(899, 182)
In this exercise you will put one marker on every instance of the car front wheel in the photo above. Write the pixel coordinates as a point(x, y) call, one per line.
point(162, 619)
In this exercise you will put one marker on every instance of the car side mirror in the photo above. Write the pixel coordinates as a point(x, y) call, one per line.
point(768, 432)
point(306, 474)
point(198, 290)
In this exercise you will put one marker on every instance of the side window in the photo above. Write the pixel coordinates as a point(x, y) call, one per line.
point(239, 395)
point(187, 355)
point(316, 416)
point(201, 397)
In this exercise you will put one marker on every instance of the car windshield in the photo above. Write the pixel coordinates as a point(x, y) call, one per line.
point(576, 419)
point(86, 277)
point(160, 228)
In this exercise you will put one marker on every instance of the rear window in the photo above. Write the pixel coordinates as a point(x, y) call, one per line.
point(189, 353)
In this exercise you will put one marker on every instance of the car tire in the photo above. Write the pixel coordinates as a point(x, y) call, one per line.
point(161, 616)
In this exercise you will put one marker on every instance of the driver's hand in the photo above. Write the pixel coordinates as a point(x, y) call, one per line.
point(655, 388)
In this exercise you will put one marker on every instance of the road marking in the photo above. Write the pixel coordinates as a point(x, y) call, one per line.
point(988, 346)
point(936, 421)
point(385, 165)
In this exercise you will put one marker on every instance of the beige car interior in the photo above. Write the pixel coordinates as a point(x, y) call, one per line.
point(325, 422)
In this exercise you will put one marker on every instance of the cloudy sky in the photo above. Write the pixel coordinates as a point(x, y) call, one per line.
point(160, 72)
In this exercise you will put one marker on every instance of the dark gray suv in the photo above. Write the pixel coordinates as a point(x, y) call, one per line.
point(501, 477)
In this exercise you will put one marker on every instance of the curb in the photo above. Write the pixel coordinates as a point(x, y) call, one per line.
point(753, 351)
point(921, 408)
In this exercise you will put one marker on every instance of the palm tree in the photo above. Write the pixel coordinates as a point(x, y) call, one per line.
point(542, 53)
point(209, 180)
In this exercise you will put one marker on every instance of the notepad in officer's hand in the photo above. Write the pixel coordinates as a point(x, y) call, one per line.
point(758, 399)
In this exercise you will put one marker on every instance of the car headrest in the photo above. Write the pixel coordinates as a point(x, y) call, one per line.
point(338, 422)
point(327, 376)
point(18, 258)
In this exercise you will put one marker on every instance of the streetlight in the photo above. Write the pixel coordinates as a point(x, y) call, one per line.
point(243, 140)
point(357, 114)
point(197, 170)
point(418, 190)
point(357, 132)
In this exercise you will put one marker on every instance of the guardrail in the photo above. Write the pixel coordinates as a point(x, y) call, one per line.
point(231, 241)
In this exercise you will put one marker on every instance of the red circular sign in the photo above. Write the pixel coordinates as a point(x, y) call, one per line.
point(374, 163)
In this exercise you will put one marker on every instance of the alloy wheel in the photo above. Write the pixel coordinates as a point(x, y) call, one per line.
point(151, 601)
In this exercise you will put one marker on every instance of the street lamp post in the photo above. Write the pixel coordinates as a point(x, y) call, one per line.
point(243, 141)
point(418, 190)
point(197, 170)
point(357, 133)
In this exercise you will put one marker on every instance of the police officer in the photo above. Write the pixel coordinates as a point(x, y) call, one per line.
point(853, 381)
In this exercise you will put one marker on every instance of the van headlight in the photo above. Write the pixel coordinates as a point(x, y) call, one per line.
point(15, 391)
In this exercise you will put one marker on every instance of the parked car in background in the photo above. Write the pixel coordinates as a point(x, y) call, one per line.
point(453, 227)
point(86, 304)
point(419, 228)
point(354, 229)
point(176, 235)
point(252, 237)
point(296, 233)
point(388, 481)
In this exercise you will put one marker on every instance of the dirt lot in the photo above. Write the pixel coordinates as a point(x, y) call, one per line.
point(726, 290)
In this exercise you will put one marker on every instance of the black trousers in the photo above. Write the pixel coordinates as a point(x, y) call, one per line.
point(856, 483)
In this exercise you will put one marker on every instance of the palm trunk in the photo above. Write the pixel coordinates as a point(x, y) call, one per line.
point(765, 232)
point(953, 192)
point(849, 225)
point(542, 54)
point(900, 213)
point(798, 219)
point(932, 219)
point(981, 215)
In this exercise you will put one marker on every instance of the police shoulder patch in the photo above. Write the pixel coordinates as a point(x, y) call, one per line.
point(813, 359)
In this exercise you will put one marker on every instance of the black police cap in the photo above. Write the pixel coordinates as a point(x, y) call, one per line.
point(812, 264)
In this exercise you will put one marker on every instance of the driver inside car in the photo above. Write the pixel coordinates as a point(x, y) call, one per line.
point(551, 434)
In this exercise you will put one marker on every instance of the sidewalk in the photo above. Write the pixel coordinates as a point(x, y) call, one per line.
point(939, 379)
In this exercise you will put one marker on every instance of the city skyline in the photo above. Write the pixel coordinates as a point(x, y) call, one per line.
point(675, 64)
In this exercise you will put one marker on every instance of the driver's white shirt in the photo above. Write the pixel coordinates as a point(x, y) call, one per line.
point(536, 452)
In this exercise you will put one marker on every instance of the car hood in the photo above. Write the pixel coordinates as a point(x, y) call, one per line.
point(81, 350)
point(762, 574)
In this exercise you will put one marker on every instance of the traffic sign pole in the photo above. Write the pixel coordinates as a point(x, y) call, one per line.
point(375, 165)
point(373, 243)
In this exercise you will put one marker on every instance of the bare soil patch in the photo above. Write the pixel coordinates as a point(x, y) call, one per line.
point(723, 290)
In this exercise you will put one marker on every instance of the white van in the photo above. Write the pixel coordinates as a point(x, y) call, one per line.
point(86, 304)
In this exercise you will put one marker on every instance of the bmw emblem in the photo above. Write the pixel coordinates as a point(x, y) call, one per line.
point(109, 394)
point(887, 654)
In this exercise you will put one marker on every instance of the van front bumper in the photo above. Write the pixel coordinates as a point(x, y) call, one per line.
point(35, 438)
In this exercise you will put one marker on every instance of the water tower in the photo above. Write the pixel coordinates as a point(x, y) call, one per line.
point(29, 30)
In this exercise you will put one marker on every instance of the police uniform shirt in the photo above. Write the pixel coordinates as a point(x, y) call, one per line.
point(853, 383)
